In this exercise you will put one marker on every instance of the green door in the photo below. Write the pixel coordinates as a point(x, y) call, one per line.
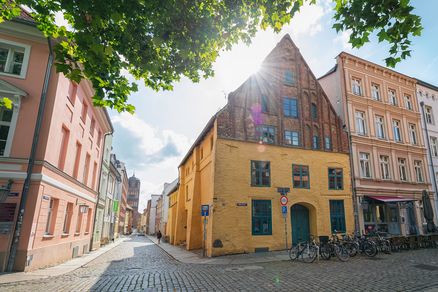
point(300, 223)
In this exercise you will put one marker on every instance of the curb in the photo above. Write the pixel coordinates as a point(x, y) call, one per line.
point(170, 255)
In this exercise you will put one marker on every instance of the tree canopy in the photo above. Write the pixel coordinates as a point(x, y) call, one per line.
point(159, 41)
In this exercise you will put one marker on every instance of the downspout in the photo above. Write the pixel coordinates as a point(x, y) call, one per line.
point(26, 185)
point(430, 153)
point(98, 187)
point(350, 148)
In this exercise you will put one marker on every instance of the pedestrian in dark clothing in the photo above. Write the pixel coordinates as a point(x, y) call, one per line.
point(159, 235)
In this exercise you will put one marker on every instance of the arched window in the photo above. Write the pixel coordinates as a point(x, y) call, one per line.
point(314, 111)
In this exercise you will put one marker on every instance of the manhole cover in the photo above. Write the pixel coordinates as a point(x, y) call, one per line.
point(243, 268)
point(426, 267)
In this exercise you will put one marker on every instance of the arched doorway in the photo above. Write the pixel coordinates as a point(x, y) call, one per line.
point(299, 216)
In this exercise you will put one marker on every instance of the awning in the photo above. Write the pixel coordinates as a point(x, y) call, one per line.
point(391, 199)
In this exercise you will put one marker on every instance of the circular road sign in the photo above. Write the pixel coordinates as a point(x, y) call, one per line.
point(283, 200)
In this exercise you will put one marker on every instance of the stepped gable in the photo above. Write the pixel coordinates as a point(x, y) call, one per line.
point(243, 113)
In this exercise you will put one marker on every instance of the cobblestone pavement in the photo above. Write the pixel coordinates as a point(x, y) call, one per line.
point(139, 265)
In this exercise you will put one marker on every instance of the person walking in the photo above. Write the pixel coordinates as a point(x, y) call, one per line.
point(159, 235)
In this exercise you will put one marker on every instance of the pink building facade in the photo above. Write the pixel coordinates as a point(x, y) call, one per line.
point(59, 210)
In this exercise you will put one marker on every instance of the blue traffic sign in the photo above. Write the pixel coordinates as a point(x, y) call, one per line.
point(204, 210)
point(284, 209)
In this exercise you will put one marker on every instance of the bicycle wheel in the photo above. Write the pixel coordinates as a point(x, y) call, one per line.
point(325, 251)
point(309, 254)
point(386, 247)
point(293, 252)
point(341, 252)
point(370, 248)
point(352, 248)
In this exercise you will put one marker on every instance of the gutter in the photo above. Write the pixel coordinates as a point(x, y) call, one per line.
point(26, 185)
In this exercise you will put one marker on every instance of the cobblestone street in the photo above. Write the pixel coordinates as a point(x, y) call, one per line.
point(139, 265)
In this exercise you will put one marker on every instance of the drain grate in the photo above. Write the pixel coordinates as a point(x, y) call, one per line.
point(426, 267)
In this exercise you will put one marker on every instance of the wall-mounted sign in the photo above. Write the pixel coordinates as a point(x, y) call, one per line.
point(241, 204)
point(46, 197)
point(204, 210)
point(283, 200)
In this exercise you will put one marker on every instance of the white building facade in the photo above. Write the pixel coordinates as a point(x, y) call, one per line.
point(153, 214)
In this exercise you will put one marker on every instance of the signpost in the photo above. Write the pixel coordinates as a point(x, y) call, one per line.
point(283, 201)
point(204, 212)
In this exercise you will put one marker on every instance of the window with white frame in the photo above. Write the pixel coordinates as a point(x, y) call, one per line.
point(402, 169)
point(392, 97)
point(360, 123)
point(380, 127)
point(408, 102)
point(365, 168)
point(5, 125)
point(375, 91)
point(418, 165)
point(397, 131)
point(429, 114)
point(434, 146)
point(356, 86)
point(413, 134)
point(384, 167)
point(13, 58)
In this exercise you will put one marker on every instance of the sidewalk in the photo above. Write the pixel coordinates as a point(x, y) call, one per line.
point(195, 257)
point(60, 269)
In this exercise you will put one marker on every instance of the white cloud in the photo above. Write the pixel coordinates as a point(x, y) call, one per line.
point(342, 40)
point(308, 20)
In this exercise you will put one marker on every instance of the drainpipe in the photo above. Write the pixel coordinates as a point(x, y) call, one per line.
point(430, 153)
point(26, 185)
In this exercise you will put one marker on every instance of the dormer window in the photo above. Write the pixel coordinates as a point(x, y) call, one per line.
point(13, 58)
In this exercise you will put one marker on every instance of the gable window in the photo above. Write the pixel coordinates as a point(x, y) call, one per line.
point(375, 91)
point(314, 111)
point(397, 131)
point(327, 143)
point(315, 142)
point(265, 106)
point(402, 169)
point(413, 134)
point(14, 58)
point(260, 173)
point(434, 146)
point(418, 165)
point(337, 216)
point(380, 127)
point(290, 107)
point(429, 114)
point(292, 138)
point(356, 86)
point(5, 125)
point(336, 179)
point(267, 134)
point(392, 97)
point(384, 167)
point(365, 168)
point(408, 103)
point(360, 123)
point(300, 176)
point(289, 77)
point(261, 217)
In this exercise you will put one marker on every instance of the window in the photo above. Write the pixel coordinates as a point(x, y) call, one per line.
point(51, 216)
point(360, 123)
point(13, 58)
point(397, 132)
point(86, 169)
point(408, 102)
point(300, 176)
point(418, 165)
point(84, 111)
point(384, 167)
point(265, 107)
point(72, 90)
point(365, 168)
point(267, 134)
point(380, 127)
point(93, 182)
point(99, 137)
point(290, 107)
point(375, 91)
point(67, 218)
point(5, 125)
point(434, 146)
point(336, 179)
point(314, 111)
point(92, 126)
point(65, 134)
point(327, 143)
point(289, 77)
point(337, 216)
point(77, 159)
point(429, 115)
point(79, 220)
point(356, 86)
point(392, 97)
point(402, 169)
point(261, 217)
point(413, 134)
point(292, 138)
point(260, 173)
point(211, 143)
point(315, 141)
point(89, 219)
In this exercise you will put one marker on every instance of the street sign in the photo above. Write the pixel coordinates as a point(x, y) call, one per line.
point(283, 200)
point(204, 210)
point(283, 191)
point(284, 209)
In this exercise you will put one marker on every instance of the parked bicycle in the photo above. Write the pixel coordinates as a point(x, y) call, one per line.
point(307, 251)
point(382, 243)
point(333, 247)
point(361, 244)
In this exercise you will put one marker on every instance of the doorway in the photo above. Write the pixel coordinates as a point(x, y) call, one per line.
point(300, 223)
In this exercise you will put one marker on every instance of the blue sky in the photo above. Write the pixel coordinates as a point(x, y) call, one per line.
point(153, 141)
